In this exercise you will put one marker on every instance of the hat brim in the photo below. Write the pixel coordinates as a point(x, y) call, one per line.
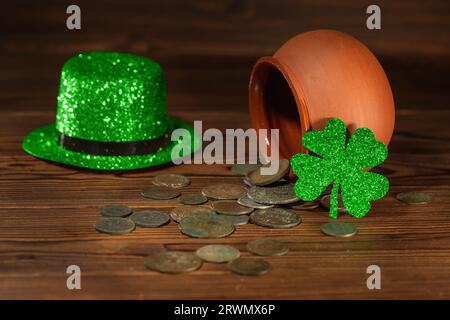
point(43, 143)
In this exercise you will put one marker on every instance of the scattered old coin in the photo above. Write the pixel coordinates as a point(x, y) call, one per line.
point(305, 205)
point(249, 266)
point(414, 197)
point(150, 218)
point(325, 202)
point(171, 180)
point(160, 193)
point(244, 169)
point(172, 261)
point(267, 247)
point(192, 199)
point(247, 202)
point(230, 207)
point(115, 210)
point(259, 179)
point(181, 212)
point(218, 253)
point(206, 226)
point(237, 220)
point(282, 193)
point(338, 229)
point(275, 218)
point(114, 225)
point(224, 191)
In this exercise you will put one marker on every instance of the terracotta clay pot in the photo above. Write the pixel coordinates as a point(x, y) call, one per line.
point(316, 76)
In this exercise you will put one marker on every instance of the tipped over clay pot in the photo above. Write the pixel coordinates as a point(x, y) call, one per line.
point(316, 76)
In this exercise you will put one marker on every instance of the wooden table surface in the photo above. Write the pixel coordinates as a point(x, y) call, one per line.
point(207, 49)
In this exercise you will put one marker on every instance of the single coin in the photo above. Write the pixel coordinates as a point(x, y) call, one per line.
point(414, 197)
point(114, 225)
point(279, 194)
point(249, 266)
point(247, 202)
point(171, 180)
point(258, 178)
point(218, 253)
point(339, 229)
point(172, 261)
point(224, 191)
point(192, 199)
point(244, 169)
point(237, 220)
point(267, 247)
point(230, 207)
point(206, 226)
point(150, 218)
point(305, 205)
point(115, 210)
point(181, 212)
point(325, 202)
point(275, 218)
point(160, 193)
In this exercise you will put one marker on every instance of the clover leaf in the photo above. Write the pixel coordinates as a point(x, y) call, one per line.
point(342, 164)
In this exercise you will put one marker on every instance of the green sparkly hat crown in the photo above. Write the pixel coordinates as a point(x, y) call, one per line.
point(111, 97)
point(111, 115)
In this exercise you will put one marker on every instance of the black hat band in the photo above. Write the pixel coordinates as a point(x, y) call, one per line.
point(101, 148)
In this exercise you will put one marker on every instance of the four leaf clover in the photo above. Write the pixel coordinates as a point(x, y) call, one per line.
point(342, 164)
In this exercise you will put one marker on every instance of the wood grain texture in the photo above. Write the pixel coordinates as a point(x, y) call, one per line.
point(207, 49)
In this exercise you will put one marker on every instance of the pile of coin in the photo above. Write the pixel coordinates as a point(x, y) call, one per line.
point(267, 201)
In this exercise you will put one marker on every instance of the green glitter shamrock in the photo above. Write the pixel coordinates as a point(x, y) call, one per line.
point(341, 163)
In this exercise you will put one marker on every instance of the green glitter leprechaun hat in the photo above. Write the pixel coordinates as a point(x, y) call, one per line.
point(111, 115)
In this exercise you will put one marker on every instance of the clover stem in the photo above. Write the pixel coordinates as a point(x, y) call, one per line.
point(334, 204)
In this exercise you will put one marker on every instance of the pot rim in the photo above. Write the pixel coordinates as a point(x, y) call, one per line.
point(256, 106)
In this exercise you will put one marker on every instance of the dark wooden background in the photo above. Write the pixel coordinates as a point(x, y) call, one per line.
point(207, 49)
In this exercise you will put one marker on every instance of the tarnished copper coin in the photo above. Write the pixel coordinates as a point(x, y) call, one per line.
point(244, 169)
point(247, 202)
point(267, 247)
point(249, 266)
point(160, 193)
point(218, 253)
point(115, 210)
point(338, 229)
point(181, 212)
point(206, 226)
point(275, 218)
point(150, 218)
point(230, 207)
point(224, 191)
point(258, 178)
point(305, 205)
point(172, 261)
point(279, 194)
point(171, 180)
point(237, 220)
point(414, 197)
point(192, 199)
point(114, 225)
